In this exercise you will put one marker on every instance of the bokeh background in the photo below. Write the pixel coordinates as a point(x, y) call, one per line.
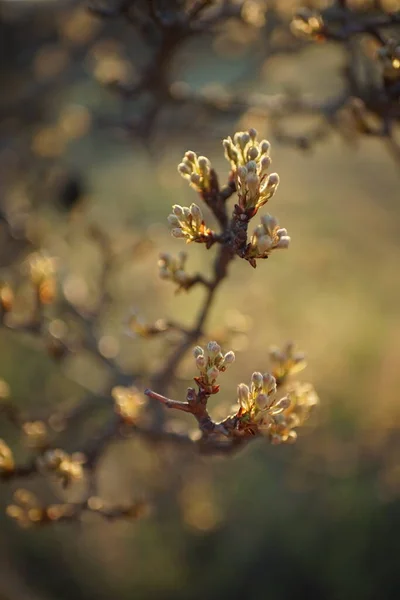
point(319, 519)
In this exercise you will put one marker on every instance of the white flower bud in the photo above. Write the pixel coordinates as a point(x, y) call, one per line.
point(269, 383)
point(195, 179)
point(273, 180)
point(242, 173)
point(264, 147)
point(251, 166)
point(262, 401)
point(252, 153)
point(186, 212)
point(252, 133)
point(229, 358)
point(183, 169)
point(177, 233)
point(244, 139)
point(269, 222)
point(243, 393)
point(264, 244)
point(190, 155)
point(177, 210)
point(204, 164)
point(196, 213)
point(212, 374)
point(265, 163)
point(173, 220)
point(283, 403)
point(201, 362)
point(257, 380)
point(213, 348)
point(284, 242)
point(198, 351)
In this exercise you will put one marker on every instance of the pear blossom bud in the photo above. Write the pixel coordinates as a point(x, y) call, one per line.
point(204, 163)
point(196, 213)
point(177, 233)
point(229, 358)
point(198, 351)
point(190, 155)
point(284, 242)
point(257, 380)
point(213, 348)
point(264, 147)
point(178, 211)
point(262, 401)
point(173, 220)
point(183, 169)
point(283, 403)
point(195, 178)
point(251, 166)
point(252, 153)
point(269, 382)
point(244, 139)
point(273, 180)
point(252, 133)
point(212, 373)
point(243, 395)
point(201, 361)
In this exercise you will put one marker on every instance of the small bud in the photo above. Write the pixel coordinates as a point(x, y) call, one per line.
point(262, 401)
point(243, 396)
point(251, 166)
point(244, 139)
point(242, 173)
point(269, 382)
point(212, 374)
point(264, 147)
point(201, 362)
point(283, 403)
point(204, 164)
point(195, 179)
point(198, 351)
point(284, 242)
point(173, 220)
point(177, 210)
point(265, 163)
point(252, 153)
point(213, 348)
point(252, 133)
point(196, 213)
point(229, 358)
point(273, 180)
point(183, 169)
point(177, 233)
point(257, 380)
point(190, 155)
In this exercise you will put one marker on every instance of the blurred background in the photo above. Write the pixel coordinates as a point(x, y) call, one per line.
point(319, 519)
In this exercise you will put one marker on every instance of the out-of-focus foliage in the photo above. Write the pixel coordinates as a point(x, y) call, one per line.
point(88, 176)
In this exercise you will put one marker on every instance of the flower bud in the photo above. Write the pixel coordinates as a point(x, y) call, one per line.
point(252, 153)
point(204, 164)
point(213, 348)
point(273, 180)
point(190, 155)
point(229, 358)
point(196, 213)
point(251, 166)
point(183, 169)
point(195, 178)
point(177, 233)
point(252, 133)
point(257, 380)
point(212, 374)
point(243, 393)
point(262, 401)
point(201, 362)
point(264, 147)
point(198, 351)
point(269, 382)
point(173, 220)
point(177, 210)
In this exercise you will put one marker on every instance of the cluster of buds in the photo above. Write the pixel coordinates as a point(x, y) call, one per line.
point(173, 268)
point(188, 223)
point(42, 271)
point(281, 427)
point(36, 433)
point(67, 467)
point(258, 404)
point(308, 24)
point(211, 361)
point(27, 510)
point(197, 170)
point(7, 463)
point(128, 402)
point(250, 162)
point(267, 237)
point(286, 362)
point(389, 56)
